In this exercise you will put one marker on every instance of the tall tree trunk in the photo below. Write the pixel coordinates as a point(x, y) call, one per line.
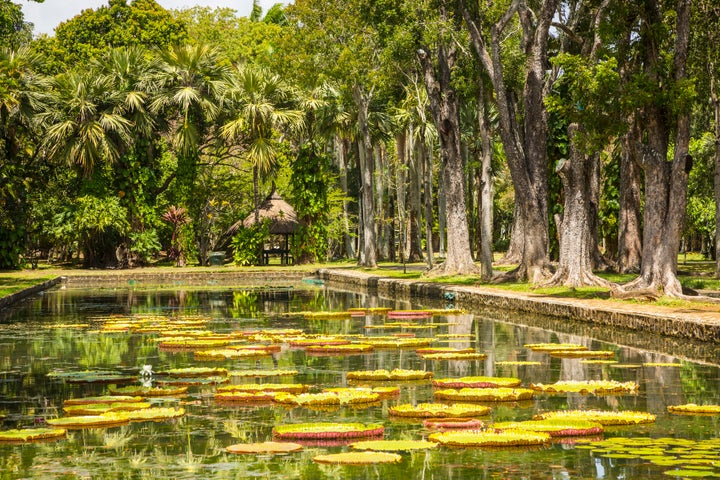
point(415, 235)
point(526, 146)
point(368, 258)
point(342, 146)
point(442, 213)
point(485, 204)
point(629, 220)
point(577, 245)
point(400, 192)
point(444, 107)
point(427, 164)
point(382, 226)
point(715, 98)
point(665, 181)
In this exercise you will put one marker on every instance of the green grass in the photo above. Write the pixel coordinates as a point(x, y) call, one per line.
point(10, 283)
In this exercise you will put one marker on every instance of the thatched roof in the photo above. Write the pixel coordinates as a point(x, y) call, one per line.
point(282, 216)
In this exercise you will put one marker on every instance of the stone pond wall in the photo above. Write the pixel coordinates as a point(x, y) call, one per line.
point(682, 325)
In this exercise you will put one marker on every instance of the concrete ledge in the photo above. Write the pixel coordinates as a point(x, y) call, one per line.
point(22, 294)
point(690, 325)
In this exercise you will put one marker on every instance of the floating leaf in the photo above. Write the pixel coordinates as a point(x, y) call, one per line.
point(327, 398)
point(453, 423)
point(328, 430)
point(99, 408)
point(31, 434)
point(485, 394)
point(518, 363)
point(477, 382)
point(148, 391)
point(263, 373)
point(592, 386)
point(385, 375)
point(454, 356)
point(102, 399)
point(264, 448)
point(603, 417)
point(358, 458)
point(91, 421)
point(195, 372)
point(691, 409)
point(393, 445)
point(439, 410)
point(545, 347)
point(485, 438)
point(265, 387)
point(581, 353)
point(554, 427)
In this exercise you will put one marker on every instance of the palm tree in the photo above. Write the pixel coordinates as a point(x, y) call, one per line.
point(20, 98)
point(261, 105)
point(192, 80)
point(83, 126)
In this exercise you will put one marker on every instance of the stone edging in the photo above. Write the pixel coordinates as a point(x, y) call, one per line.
point(680, 325)
point(13, 298)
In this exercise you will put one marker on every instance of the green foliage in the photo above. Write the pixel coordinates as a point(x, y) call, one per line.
point(248, 244)
point(11, 247)
point(141, 22)
point(14, 30)
point(144, 245)
point(310, 194)
point(95, 224)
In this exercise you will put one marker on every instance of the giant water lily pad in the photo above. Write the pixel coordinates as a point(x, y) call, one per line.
point(155, 414)
point(385, 375)
point(358, 458)
point(489, 438)
point(546, 347)
point(91, 421)
point(396, 342)
point(192, 381)
point(245, 397)
point(553, 427)
point(603, 417)
point(501, 394)
point(99, 408)
point(476, 382)
point(195, 372)
point(340, 349)
point(426, 350)
point(393, 445)
point(453, 423)
point(295, 388)
point(264, 448)
point(439, 410)
point(263, 373)
point(102, 399)
point(192, 344)
point(328, 430)
point(31, 434)
point(327, 398)
point(692, 409)
point(592, 386)
point(90, 376)
point(454, 356)
point(168, 391)
point(582, 353)
point(381, 392)
point(231, 353)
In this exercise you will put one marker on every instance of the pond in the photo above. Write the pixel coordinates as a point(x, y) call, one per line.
point(48, 344)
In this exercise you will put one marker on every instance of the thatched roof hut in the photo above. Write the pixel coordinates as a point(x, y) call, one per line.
point(282, 216)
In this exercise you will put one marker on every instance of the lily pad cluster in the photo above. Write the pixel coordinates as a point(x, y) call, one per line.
point(591, 386)
point(677, 457)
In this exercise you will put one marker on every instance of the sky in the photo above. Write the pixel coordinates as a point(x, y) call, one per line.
point(47, 15)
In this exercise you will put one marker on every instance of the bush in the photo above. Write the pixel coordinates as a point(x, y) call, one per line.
point(248, 244)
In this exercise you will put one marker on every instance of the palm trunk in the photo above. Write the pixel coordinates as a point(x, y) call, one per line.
point(427, 164)
point(400, 192)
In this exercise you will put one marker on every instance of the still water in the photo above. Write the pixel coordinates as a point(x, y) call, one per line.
point(45, 335)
